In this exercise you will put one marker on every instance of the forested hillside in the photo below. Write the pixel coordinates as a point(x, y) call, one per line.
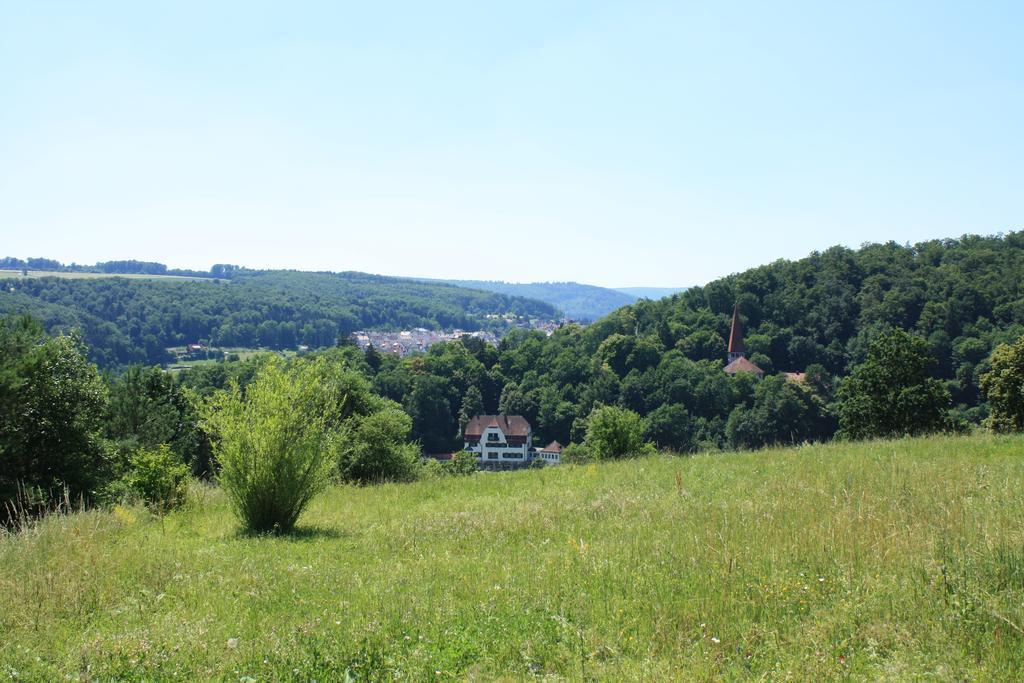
point(578, 302)
point(133, 321)
point(663, 359)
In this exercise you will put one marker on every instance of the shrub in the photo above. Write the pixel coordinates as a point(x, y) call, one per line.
point(615, 433)
point(377, 448)
point(576, 454)
point(431, 469)
point(462, 464)
point(158, 477)
point(277, 446)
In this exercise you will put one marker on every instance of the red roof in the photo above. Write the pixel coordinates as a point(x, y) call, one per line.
point(510, 425)
point(736, 335)
point(741, 364)
point(553, 447)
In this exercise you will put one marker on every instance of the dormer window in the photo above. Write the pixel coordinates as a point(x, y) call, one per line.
point(492, 436)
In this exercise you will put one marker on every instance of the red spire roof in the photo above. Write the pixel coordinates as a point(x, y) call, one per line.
point(736, 335)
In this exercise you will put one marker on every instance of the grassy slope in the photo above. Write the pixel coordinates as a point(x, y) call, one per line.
point(880, 560)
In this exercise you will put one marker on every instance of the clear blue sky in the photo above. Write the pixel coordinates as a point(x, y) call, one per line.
point(615, 144)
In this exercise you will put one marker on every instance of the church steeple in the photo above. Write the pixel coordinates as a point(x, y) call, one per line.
point(736, 348)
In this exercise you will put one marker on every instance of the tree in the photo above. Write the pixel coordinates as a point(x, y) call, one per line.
point(783, 412)
point(1003, 385)
point(615, 352)
point(669, 427)
point(890, 393)
point(702, 345)
point(431, 414)
point(276, 446)
point(472, 405)
point(514, 401)
point(373, 359)
point(555, 415)
point(615, 433)
point(149, 408)
point(52, 402)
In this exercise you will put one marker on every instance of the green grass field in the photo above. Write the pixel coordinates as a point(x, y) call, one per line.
point(888, 560)
point(4, 274)
point(243, 353)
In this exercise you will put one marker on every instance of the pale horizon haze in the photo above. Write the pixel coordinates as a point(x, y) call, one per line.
point(616, 144)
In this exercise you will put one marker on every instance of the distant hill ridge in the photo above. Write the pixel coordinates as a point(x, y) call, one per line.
point(127, 320)
point(577, 301)
point(652, 293)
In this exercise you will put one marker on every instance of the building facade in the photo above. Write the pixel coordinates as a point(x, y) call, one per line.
point(551, 454)
point(505, 442)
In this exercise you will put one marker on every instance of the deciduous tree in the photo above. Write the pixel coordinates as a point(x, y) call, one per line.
point(890, 393)
point(1003, 385)
point(52, 402)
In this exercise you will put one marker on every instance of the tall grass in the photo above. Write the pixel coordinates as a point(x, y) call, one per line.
point(886, 560)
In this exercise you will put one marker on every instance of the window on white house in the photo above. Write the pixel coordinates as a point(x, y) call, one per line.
point(491, 455)
point(492, 437)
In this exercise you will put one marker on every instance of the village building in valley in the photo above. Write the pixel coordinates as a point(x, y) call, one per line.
point(505, 442)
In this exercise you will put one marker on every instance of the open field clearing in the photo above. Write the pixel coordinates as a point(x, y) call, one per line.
point(84, 276)
point(243, 354)
point(884, 560)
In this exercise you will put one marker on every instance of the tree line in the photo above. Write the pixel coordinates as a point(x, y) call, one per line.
point(124, 267)
point(274, 432)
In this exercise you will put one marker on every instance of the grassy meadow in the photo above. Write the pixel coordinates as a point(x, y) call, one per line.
point(87, 276)
point(886, 560)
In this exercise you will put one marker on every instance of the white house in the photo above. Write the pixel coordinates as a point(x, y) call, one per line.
point(500, 442)
point(505, 442)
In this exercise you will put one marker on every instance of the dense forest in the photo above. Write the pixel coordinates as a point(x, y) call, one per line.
point(663, 359)
point(134, 321)
point(584, 303)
